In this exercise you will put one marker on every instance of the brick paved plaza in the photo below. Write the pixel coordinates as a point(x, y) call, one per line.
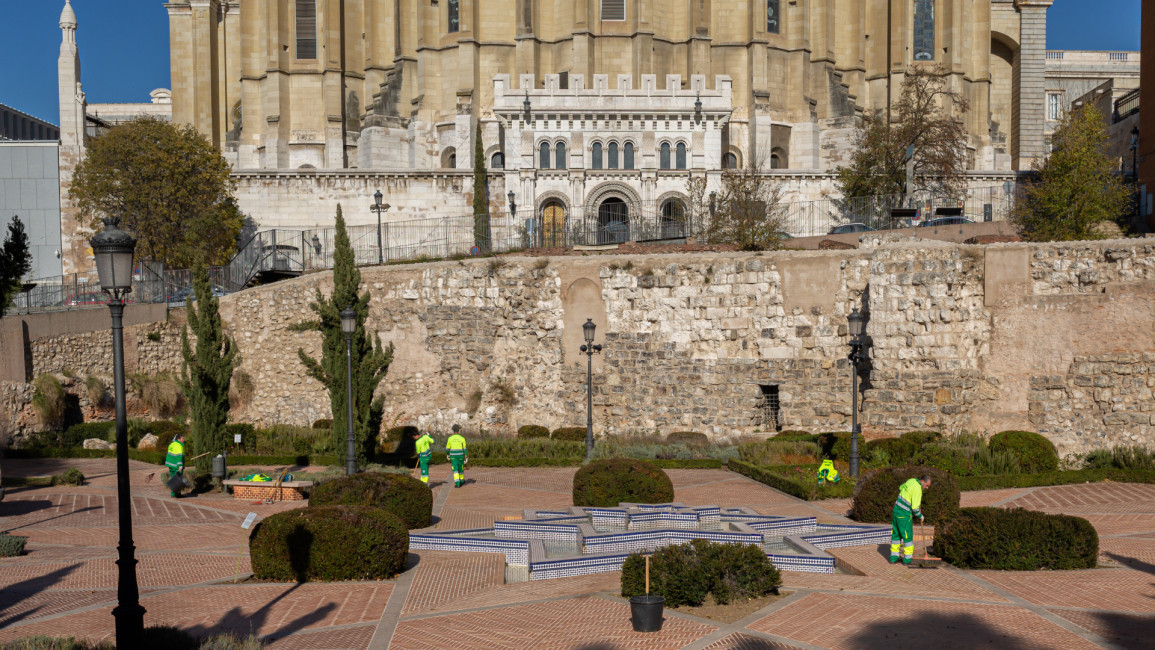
point(191, 550)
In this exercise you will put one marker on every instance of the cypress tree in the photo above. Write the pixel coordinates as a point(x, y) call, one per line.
point(480, 195)
point(15, 263)
point(370, 360)
point(207, 371)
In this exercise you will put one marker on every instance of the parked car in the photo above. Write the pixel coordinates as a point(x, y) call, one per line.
point(849, 227)
point(87, 298)
point(182, 295)
point(947, 221)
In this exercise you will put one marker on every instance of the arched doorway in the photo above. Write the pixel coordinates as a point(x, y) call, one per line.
point(553, 224)
point(613, 221)
point(673, 219)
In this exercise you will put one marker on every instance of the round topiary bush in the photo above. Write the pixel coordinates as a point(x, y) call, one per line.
point(1035, 453)
point(688, 438)
point(329, 543)
point(898, 450)
point(921, 437)
point(532, 431)
point(569, 433)
point(877, 491)
point(606, 483)
point(401, 494)
point(1016, 540)
point(685, 573)
point(836, 445)
point(70, 476)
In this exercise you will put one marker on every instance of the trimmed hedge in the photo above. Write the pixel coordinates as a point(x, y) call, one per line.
point(11, 545)
point(920, 438)
point(70, 476)
point(968, 483)
point(952, 460)
point(797, 480)
point(685, 573)
point(1016, 540)
point(401, 494)
point(569, 433)
point(877, 491)
point(329, 543)
point(688, 437)
point(606, 483)
point(75, 435)
point(835, 445)
point(1036, 453)
point(152, 457)
point(532, 431)
point(777, 452)
point(688, 463)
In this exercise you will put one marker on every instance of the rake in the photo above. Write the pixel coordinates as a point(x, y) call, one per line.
point(926, 561)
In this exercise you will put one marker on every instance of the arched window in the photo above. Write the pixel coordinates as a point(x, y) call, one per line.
point(729, 161)
point(613, 221)
point(681, 156)
point(673, 219)
point(449, 158)
point(560, 157)
point(498, 161)
point(775, 161)
point(597, 157)
point(664, 156)
point(629, 162)
point(778, 158)
point(613, 155)
point(544, 164)
point(306, 27)
point(454, 19)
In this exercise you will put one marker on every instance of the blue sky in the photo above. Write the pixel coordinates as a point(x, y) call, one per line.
point(124, 45)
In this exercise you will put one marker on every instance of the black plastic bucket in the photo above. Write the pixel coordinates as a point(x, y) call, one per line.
point(176, 483)
point(646, 613)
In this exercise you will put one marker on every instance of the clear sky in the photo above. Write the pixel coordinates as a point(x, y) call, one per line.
point(124, 45)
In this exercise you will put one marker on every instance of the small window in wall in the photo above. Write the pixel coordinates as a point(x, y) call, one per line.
point(544, 163)
point(454, 18)
point(613, 164)
point(498, 161)
point(1054, 106)
point(613, 9)
point(629, 156)
point(680, 156)
point(664, 156)
point(775, 161)
point(597, 156)
point(769, 409)
point(560, 157)
point(729, 161)
point(773, 25)
point(924, 30)
point(306, 28)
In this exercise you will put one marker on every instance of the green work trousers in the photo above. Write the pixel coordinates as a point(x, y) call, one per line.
point(901, 534)
point(423, 460)
point(457, 460)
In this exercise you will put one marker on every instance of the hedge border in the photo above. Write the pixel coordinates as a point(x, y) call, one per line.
point(806, 491)
point(1068, 477)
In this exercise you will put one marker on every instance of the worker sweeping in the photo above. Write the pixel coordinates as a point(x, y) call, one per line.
point(458, 455)
point(424, 453)
point(174, 460)
point(906, 508)
point(827, 472)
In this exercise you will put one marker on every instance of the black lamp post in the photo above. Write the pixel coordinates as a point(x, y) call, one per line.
point(113, 249)
point(857, 326)
point(589, 348)
point(348, 326)
point(1135, 174)
point(378, 208)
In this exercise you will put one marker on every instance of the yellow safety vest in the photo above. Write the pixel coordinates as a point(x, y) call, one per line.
point(910, 497)
point(831, 471)
point(423, 443)
point(456, 442)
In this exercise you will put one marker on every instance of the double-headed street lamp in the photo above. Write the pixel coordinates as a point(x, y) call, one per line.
point(857, 326)
point(589, 348)
point(379, 208)
point(348, 327)
point(113, 249)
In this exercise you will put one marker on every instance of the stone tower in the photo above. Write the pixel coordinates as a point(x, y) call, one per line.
point(73, 233)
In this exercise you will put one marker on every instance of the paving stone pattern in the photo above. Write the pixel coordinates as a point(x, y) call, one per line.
point(188, 557)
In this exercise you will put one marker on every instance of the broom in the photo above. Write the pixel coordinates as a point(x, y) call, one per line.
point(926, 561)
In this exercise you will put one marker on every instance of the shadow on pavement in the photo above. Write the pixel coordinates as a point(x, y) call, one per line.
point(19, 591)
point(1128, 630)
point(23, 507)
point(34, 523)
point(938, 631)
point(236, 621)
point(1133, 563)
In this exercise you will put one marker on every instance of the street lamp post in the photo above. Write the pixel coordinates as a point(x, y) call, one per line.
point(348, 326)
point(857, 325)
point(378, 208)
point(1135, 174)
point(589, 348)
point(113, 249)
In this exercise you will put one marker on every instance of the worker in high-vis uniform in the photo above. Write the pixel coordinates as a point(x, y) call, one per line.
point(174, 460)
point(458, 455)
point(906, 508)
point(827, 472)
point(424, 453)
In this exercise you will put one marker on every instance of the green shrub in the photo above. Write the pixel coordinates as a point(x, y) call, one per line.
point(70, 476)
point(75, 435)
point(1133, 457)
point(795, 434)
point(324, 423)
point(685, 573)
point(525, 448)
point(11, 545)
point(836, 445)
point(248, 435)
point(165, 431)
point(1035, 453)
point(1017, 540)
point(285, 438)
point(606, 483)
point(160, 393)
point(401, 494)
point(1056, 478)
point(899, 450)
point(55, 643)
point(878, 490)
point(569, 433)
point(329, 543)
point(798, 480)
point(953, 460)
point(49, 401)
point(988, 463)
point(1099, 459)
point(920, 438)
point(231, 642)
point(778, 452)
point(688, 438)
point(532, 431)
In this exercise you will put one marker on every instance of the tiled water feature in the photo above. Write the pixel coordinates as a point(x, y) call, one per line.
point(577, 541)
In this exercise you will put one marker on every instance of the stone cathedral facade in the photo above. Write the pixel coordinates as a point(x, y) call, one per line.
point(580, 101)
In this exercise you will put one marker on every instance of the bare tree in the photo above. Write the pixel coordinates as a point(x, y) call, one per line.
point(747, 210)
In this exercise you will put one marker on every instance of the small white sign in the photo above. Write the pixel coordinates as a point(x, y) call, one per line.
point(237, 438)
point(249, 520)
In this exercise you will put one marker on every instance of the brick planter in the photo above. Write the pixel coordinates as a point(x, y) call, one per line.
point(253, 490)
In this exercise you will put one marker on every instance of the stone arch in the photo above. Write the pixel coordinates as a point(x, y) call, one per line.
point(582, 299)
point(736, 153)
point(611, 189)
point(489, 154)
point(449, 158)
point(673, 215)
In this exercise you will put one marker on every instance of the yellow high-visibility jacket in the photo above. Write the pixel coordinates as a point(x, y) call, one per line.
point(423, 443)
point(456, 443)
point(910, 497)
